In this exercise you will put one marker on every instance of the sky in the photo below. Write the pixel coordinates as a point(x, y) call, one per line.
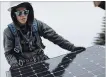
point(78, 22)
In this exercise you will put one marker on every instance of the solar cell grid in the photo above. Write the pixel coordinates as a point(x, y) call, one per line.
point(87, 64)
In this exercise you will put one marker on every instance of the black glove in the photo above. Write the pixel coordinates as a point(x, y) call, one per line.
point(78, 49)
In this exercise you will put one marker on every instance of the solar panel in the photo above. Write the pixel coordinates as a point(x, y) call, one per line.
point(90, 63)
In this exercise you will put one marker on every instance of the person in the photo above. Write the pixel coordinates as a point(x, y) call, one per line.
point(22, 38)
point(100, 4)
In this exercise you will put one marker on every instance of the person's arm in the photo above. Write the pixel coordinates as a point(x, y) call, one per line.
point(9, 47)
point(48, 33)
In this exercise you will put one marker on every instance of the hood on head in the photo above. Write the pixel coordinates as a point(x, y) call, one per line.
point(29, 7)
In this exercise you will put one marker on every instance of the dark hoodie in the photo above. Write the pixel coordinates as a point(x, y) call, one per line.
point(30, 15)
point(43, 30)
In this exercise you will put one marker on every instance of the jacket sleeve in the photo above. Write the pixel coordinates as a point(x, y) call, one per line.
point(48, 33)
point(8, 47)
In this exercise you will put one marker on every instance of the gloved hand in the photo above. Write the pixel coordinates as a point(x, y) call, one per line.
point(78, 49)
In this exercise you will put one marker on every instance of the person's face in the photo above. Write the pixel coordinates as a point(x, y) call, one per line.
point(22, 15)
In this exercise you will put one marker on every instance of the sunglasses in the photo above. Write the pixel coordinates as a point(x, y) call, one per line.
point(24, 12)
